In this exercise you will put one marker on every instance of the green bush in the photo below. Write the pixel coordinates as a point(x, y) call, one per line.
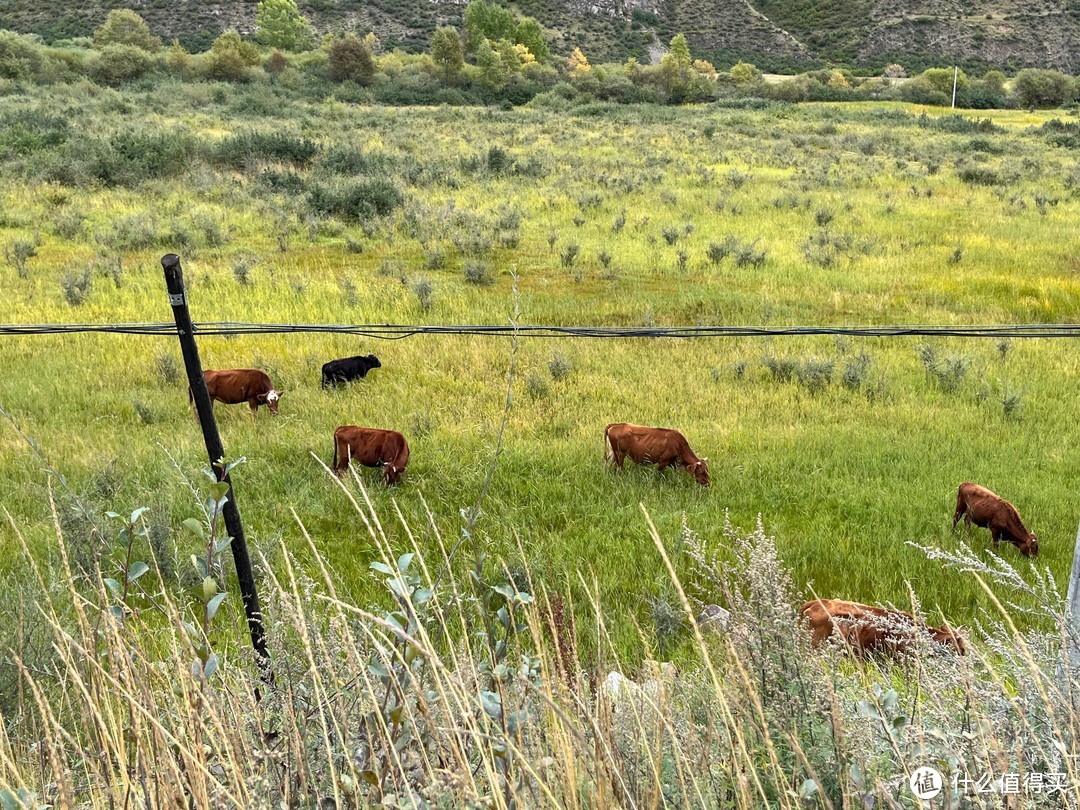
point(349, 59)
point(120, 63)
point(247, 148)
point(358, 200)
point(19, 57)
point(125, 27)
point(1042, 88)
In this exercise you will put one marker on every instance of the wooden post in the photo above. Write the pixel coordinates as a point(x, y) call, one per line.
point(1072, 611)
point(955, 72)
point(174, 281)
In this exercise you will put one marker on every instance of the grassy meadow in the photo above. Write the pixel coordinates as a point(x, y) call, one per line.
point(749, 214)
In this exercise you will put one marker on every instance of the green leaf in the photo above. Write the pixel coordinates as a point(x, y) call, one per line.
point(211, 666)
point(505, 590)
point(219, 490)
point(200, 564)
point(378, 669)
point(196, 668)
point(523, 598)
point(213, 605)
point(114, 586)
point(117, 611)
point(113, 515)
point(404, 561)
point(137, 570)
point(189, 628)
point(137, 514)
point(900, 722)
point(492, 704)
point(221, 545)
point(370, 777)
point(232, 465)
point(421, 595)
point(808, 789)
point(382, 568)
point(504, 617)
point(196, 527)
point(515, 721)
point(397, 713)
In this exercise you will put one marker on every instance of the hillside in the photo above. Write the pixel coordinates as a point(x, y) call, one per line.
point(777, 35)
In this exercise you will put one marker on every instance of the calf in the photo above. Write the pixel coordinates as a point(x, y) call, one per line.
point(348, 368)
point(661, 446)
point(978, 505)
point(371, 447)
point(235, 385)
point(867, 628)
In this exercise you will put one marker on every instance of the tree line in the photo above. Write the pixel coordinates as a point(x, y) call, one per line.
point(497, 57)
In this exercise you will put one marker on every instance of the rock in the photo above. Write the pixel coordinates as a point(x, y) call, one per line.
point(714, 619)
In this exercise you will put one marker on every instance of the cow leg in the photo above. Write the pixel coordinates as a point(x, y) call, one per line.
point(254, 403)
point(961, 511)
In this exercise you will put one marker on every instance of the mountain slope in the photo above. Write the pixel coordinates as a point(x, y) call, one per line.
point(776, 35)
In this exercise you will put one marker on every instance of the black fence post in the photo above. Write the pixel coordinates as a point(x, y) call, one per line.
point(174, 281)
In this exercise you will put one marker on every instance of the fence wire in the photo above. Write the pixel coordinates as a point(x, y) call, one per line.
point(388, 331)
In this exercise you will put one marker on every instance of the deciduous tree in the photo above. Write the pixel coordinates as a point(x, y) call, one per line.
point(447, 53)
point(349, 59)
point(281, 25)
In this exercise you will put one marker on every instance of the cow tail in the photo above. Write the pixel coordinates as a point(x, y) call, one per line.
point(335, 450)
point(607, 446)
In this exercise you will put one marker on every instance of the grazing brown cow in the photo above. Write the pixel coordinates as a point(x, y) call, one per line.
point(371, 447)
point(982, 507)
point(866, 628)
point(648, 445)
point(235, 385)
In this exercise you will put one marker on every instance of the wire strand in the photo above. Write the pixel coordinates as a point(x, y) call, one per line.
point(388, 331)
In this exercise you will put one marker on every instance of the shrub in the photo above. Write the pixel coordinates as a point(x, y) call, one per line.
point(479, 272)
point(19, 56)
point(359, 200)
point(424, 290)
point(19, 251)
point(76, 286)
point(855, 371)
point(568, 256)
point(814, 374)
point(117, 64)
point(125, 27)
point(230, 57)
point(242, 268)
point(1035, 88)
point(781, 368)
point(559, 366)
point(132, 156)
point(349, 59)
point(243, 149)
point(167, 368)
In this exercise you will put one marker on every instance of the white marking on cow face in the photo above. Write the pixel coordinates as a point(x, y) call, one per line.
point(273, 396)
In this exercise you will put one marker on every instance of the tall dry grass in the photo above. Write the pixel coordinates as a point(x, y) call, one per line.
point(472, 685)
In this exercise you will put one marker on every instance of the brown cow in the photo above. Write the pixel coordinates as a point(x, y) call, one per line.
point(235, 385)
point(648, 445)
point(982, 507)
point(371, 447)
point(866, 628)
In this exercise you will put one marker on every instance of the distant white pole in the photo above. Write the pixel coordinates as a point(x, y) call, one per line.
point(955, 71)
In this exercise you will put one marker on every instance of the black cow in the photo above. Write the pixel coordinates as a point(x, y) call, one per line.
point(348, 368)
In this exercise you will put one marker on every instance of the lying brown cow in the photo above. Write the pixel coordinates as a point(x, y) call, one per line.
point(235, 385)
point(866, 628)
point(982, 507)
point(648, 445)
point(372, 448)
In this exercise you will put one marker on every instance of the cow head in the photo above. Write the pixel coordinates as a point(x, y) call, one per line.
point(374, 361)
point(392, 474)
point(700, 470)
point(949, 637)
point(271, 398)
point(1030, 547)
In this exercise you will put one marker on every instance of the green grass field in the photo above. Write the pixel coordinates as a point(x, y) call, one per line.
point(815, 214)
